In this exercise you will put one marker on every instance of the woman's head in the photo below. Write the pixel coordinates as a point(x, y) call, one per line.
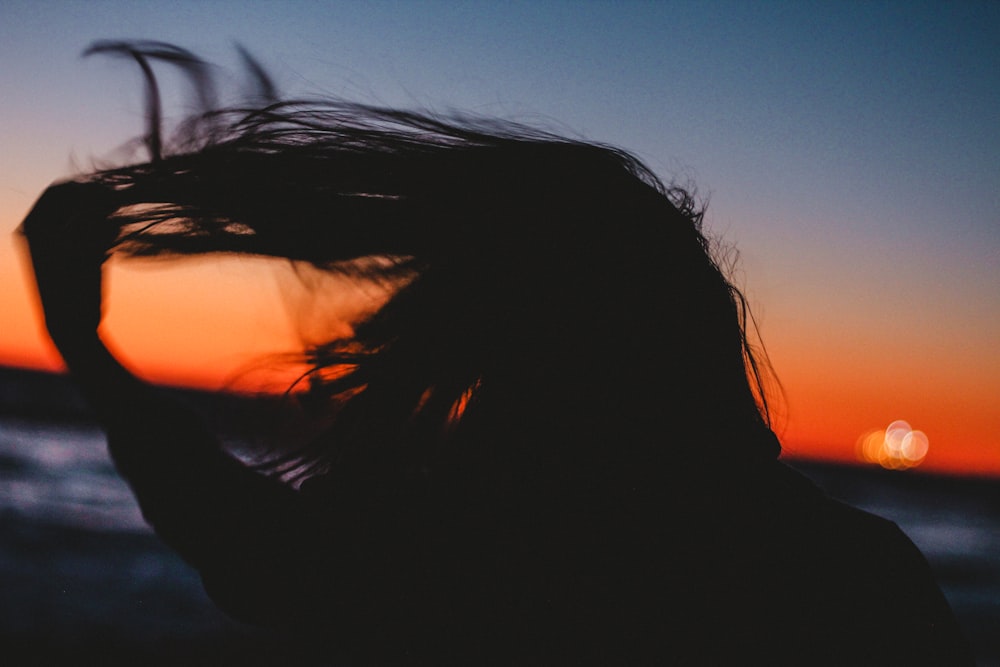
point(535, 279)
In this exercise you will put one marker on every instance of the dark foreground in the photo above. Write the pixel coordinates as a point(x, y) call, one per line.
point(74, 596)
point(83, 582)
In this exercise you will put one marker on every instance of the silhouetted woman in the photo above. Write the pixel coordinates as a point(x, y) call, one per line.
point(549, 446)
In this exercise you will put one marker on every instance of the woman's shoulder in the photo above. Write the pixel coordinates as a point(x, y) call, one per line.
point(864, 576)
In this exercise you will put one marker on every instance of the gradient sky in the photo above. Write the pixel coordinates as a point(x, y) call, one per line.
point(850, 152)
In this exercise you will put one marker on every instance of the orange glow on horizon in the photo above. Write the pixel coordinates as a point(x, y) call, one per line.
point(840, 385)
point(234, 323)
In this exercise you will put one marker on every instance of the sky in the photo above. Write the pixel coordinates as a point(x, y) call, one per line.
point(849, 152)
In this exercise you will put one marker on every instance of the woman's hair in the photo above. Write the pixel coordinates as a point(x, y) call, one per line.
point(541, 287)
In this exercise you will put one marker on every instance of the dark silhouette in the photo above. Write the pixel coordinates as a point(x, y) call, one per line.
point(550, 446)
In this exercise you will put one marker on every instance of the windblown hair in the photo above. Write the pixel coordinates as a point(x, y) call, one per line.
point(544, 288)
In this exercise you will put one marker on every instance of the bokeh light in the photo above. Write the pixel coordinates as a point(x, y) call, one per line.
point(897, 447)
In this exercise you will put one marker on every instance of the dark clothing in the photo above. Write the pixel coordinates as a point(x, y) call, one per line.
point(751, 568)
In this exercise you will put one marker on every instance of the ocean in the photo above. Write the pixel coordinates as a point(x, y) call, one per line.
point(84, 581)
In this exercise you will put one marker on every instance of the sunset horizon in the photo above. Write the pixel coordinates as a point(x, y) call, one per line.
point(848, 156)
point(216, 359)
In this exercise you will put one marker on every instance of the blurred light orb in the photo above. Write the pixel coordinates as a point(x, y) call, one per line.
point(897, 447)
point(915, 446)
